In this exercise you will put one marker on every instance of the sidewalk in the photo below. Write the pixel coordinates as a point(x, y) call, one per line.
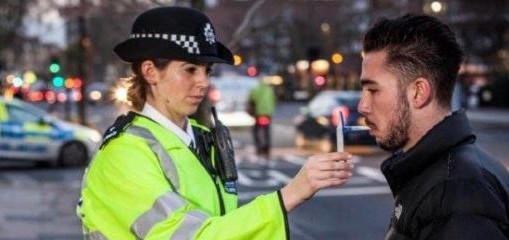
point(498, 116)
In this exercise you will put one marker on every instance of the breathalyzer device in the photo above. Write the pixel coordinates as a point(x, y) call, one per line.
point(340, 144)
point(341, 129)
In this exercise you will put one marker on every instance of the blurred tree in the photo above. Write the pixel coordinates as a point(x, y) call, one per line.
point(11, 16)
point(482, 27)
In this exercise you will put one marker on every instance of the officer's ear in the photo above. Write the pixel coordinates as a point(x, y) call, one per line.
point(149, 72)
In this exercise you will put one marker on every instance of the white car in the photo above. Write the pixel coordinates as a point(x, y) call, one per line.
point(229, 94)
point(28, 133)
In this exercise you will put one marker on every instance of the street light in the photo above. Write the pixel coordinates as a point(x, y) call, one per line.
point(320, 67)
point(302, 65)
point(237, 60)
point(337, 58)
point(325, 27)
point(436, 6)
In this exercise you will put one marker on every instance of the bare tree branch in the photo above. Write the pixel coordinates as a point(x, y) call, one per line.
point(245, 23)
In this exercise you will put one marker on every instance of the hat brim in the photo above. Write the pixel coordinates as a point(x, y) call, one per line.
point(138, 49)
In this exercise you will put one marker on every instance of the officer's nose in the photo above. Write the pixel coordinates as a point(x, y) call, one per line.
point(202, 80)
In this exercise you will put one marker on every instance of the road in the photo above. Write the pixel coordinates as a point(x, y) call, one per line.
point(38, 203)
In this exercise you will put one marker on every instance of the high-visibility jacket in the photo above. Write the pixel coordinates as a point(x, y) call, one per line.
point(264, 99)
point(146, 184)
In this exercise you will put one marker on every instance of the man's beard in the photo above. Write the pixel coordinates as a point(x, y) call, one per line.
point(398, 129)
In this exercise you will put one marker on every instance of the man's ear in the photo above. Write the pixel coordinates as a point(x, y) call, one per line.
point(422, 92)
point(149, 72)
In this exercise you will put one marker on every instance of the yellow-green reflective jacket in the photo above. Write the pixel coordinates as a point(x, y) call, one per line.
point(146, 184)
point(264, 98)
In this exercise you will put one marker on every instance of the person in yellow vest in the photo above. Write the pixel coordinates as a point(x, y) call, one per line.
point(263, 100)
point(158, 174)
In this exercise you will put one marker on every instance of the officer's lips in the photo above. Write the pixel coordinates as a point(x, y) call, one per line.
point(197, 99)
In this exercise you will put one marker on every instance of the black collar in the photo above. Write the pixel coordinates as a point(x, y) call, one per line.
point(401, 167)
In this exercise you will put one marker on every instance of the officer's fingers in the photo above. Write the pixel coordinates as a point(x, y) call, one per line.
point(332, 156)
point(327, 166)
point(332, 182)
point(335, 182)
point(334, 174)
point(334, 165)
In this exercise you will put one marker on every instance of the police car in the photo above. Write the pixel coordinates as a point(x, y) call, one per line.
point(28, 133)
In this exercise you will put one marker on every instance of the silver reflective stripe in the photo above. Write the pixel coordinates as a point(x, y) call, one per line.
point(163, 207)
point(95, 236)
point(191, 223)
point(170, 171)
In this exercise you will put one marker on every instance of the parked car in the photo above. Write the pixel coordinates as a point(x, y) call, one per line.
point(229, 94)
point(317, 122)
point(28, 133)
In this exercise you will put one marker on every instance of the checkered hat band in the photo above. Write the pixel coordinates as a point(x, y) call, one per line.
point(187, 42)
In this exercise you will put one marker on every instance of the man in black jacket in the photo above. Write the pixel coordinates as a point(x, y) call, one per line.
point(444, 186)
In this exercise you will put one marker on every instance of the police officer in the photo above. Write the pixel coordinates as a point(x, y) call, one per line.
point(156, 174)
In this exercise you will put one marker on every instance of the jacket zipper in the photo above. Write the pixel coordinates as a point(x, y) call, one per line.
point(220, 197)
point(211, 171)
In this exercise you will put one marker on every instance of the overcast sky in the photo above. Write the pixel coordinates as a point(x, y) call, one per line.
point(43, 21)
point(46, 23)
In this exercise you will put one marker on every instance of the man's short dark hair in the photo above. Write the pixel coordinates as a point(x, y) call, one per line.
point(418, 46)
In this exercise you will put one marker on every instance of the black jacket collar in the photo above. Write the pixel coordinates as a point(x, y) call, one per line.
point(401, 167)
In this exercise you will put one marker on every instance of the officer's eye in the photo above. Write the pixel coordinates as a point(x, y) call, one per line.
point(208, 70)
point(191, 69)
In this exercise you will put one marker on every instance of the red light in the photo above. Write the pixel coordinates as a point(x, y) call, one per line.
point(319, 81)
point(35, 96)
point(262, 121)
point(61, 97)
point(76, 96)
point(336, 114)
point(78, 82)
point(50, 96)
point(252, 71)
point(214, 95)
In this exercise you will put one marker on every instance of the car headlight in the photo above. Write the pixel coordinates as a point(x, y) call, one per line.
point(95, 136)
point(322, 121)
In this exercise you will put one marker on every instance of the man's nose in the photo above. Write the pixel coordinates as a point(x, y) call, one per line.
point(363, 106)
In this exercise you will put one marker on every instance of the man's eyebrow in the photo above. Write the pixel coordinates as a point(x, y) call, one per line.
point(367, 82)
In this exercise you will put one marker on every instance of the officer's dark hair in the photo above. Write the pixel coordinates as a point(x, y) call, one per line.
point(418, 46)
point(138, 86)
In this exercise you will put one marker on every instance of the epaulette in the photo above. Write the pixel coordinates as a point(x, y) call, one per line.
point(120, 124)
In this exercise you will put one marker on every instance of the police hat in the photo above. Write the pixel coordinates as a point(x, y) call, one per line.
point(173, 33)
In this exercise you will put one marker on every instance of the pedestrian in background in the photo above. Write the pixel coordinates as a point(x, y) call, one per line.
point(262, 101)
point(157, 174)
point(444, 186)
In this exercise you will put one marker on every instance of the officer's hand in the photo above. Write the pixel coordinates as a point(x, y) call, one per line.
point(319, 171)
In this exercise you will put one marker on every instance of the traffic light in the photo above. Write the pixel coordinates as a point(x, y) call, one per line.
point(57, 81)
point(55, 68)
